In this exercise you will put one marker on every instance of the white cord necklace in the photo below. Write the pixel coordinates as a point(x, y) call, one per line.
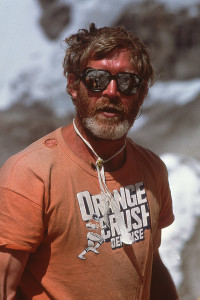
point(108, 199)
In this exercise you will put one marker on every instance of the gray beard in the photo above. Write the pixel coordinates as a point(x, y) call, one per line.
point(109, 132)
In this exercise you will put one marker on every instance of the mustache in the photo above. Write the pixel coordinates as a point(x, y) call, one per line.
point(105, 104)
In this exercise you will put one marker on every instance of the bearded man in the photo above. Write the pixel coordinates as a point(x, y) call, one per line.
point(81, 209)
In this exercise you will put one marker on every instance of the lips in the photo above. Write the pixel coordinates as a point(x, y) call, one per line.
point(109, 112)
point(110, 109)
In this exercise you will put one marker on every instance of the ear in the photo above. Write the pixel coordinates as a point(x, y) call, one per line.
point(143, 91)
point(71, 78)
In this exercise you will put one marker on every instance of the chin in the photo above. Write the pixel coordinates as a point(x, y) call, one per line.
point(109, 131)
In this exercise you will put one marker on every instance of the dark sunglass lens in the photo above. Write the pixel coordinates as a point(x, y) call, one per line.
point(96, 80)
point(128, 83)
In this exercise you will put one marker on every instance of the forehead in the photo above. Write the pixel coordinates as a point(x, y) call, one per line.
point(118, 60)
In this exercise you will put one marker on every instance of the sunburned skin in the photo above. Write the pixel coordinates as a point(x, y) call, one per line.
point(101, 113)
point(104, 118)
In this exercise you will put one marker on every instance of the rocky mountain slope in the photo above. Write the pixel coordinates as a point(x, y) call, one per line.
point(173, 37)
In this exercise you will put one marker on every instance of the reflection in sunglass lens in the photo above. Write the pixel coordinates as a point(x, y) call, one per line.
point(98, 80)
point(128, 83)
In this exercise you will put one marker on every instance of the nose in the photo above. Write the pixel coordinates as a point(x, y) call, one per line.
point(112, 89)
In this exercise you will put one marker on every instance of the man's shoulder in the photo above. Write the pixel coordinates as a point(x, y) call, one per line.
point(143, 150)
point(146, 156)
point(36, 153)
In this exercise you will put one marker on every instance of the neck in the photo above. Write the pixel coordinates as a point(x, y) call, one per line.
point(103, 148)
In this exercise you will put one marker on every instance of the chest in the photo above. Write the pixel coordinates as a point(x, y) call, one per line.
point(76, 207)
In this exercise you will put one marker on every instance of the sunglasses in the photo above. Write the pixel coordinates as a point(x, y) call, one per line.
point(97, 80)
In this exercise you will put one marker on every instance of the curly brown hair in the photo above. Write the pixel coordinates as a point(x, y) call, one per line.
point(96, 43)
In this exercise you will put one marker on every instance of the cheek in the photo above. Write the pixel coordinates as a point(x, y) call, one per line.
point(131, 106)
point(130, 102)
point(85, 102)
point(87, 96)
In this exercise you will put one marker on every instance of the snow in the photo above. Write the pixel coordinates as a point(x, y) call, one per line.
point(184, 174)
point(86, 11)
point(24, 49)
point(177, 92)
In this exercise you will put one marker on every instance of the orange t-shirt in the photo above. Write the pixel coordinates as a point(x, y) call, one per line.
point(50, 205)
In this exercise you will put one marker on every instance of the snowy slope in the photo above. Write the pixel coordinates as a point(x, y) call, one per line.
point(184, 175)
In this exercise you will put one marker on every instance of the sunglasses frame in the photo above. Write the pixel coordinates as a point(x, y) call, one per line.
point(112, 77)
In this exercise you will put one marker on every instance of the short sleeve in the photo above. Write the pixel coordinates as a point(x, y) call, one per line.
point(21, 206)
point(157, 240)
point(166, 216)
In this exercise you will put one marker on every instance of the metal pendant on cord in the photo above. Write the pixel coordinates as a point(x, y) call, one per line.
point(108, 200)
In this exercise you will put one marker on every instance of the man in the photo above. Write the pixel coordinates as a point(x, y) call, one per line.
point(52, 190)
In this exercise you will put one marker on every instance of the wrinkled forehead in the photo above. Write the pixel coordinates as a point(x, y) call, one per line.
point(117, 60)
point(111, 55)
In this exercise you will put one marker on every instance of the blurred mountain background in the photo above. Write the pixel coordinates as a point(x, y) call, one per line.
point(33, 100)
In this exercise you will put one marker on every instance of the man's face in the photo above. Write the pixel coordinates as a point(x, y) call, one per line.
point(108, 114)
